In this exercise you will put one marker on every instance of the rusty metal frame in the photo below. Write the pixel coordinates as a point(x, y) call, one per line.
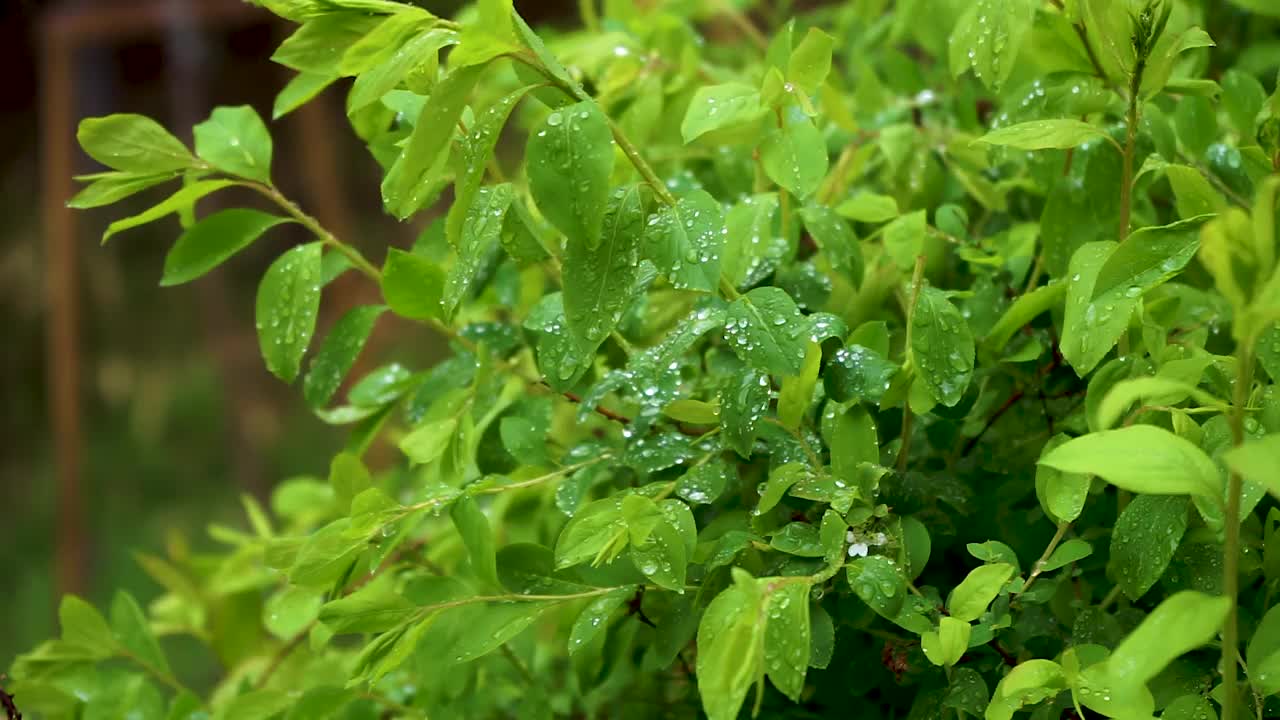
point(63, 31)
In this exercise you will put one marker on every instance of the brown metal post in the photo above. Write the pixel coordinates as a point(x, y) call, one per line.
point(57, 112)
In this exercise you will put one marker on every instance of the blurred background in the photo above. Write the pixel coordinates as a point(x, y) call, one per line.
point(133, 416)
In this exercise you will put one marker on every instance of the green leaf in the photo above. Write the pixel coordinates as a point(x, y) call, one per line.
point(766, 330)
point(794, 157)
point(319, 44)
point(133, 143)
point(869, 207)
point(1140, 459)
point(1145, 537)
point(904, 239)
point(1255, 461)
point(376, 607)
point(287, 304)
point(752, 248)
point(941, 346)
point(256, 705)
point(971, 597)
point(600, 279)
point(945, 647)
point(428, 441)
point(212, 241)
point(412, 285)
point(477, 152)
point(481, 232)
point(796, 393)
point(810, 62)
point(1028, 683)
point(858, 373)
point(407, 186)
point(730, 642)
point(473, 526)
point(491, 35)
point(109, 187)
point(235, 141)
point(129, 624)
point(348, 477)
point(385, 76)
point(569, 158)
point(706, 482)
point(300, 90)
point(465, 633)
point(787, 636)
point(1148, 258)
point(1106, 280)
point(1184, 621)
point(1263, 654)
point(1062, 134)
point(84, 626)
point(1193, 193)
point(1023, 310)
point(338, 353)
point(291, 610)
point(779, 481)
point(685, 241)
point(836, 239)
point(182, 201)
point(987, 38)
point(744, 399)
point(594, 618)
point(1189, 707)
point(661, 556)
point(593, 532)
point(1067, 553)
point(878, 582)
point(716, 107)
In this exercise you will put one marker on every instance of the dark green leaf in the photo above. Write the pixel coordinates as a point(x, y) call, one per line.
point(941, 346)
point(743, 401)
point(600, 279)
point(766, 330)
point(212, 241)
point(473, 526)
point(481, 231)
point(1145, 537)
point(287, 304)
point(408, 185)
point(568, 159)
point(338, 354)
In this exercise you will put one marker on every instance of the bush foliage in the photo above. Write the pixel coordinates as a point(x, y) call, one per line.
point(915, 360)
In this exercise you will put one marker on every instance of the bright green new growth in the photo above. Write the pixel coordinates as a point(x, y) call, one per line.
point(915, 359)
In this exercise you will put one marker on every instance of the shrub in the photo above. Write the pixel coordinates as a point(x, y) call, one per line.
point(910, 362)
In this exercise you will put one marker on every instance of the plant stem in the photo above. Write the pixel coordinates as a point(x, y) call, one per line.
point(904, 447)
point(1131, 135)
point(590, 18)
point(646, 172)
point(310, 223)
point(743, 23)
point(1044, 558)
point(1231, 545)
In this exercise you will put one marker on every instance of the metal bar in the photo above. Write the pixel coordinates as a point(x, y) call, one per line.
point(57, 100)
